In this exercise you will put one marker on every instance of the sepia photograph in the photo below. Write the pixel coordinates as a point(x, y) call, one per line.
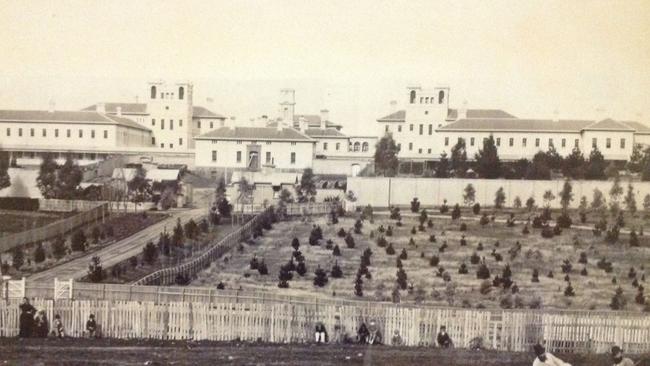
point(312, 183)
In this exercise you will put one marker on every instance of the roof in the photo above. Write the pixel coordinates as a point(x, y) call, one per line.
point(202, 112)
point(638, 127)
point(141, 108)
point(158, 175)
point(535, 125)
point(400, 116)
point(86, 117)
point(313, 120)
point(273, 178)
point(324, 132)
point(255, 133)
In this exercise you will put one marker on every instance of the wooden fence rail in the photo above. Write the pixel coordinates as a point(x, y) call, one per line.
point(224, 319)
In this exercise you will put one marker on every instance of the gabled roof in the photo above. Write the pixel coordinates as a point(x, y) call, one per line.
point(398, 116)
point(141, 108)
point(313, 120)
point(79, 117)
point(609, 125)
point(325, 132)
point(516, 125)
point(202, 112)
point(480, 113)
point(638, 127)
point(255, 133)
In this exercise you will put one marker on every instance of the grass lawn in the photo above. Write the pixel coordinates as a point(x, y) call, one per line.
point(592, 291)
point(73, 351)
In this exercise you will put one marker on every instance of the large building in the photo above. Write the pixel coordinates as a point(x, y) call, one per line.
point(427, 127)
point(170, 114)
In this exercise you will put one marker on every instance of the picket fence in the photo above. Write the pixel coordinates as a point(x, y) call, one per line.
point(223, 319)
point(96, 211)
point(168, 276)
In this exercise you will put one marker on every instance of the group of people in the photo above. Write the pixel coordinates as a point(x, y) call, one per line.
point(544, 358)
point(34, 324)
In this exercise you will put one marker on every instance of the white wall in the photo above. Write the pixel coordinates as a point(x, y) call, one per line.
point(383, 192)
point(227, 153)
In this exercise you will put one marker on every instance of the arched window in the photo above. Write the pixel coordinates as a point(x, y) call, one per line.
point(412, 96)
point(356, 146)
point(153, 92)
point(181, 93)
point(441, 96)
point(364, 146)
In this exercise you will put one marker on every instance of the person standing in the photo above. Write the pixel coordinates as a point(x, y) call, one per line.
point(58, 327)
point(41, 325)
point(91, 326)
point(26, 320)
point(619, 360)
point(545, 358)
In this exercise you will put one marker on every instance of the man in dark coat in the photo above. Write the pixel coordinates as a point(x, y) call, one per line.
point(26, 320)
point(362, 334)
point(444, 341)
point(41, 325)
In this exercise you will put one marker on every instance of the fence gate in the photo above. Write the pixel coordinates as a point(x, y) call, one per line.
point(62, 289)
point(13, 289)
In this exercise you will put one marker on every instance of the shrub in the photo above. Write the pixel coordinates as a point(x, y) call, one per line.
point(39, 253)
point(463, 269)
point(336, 251)
point(349, 241)
point(618, 301)
point(611, 236)
point(432, 238)
point(321, 277)
point(483, 272)
point(584, 271)
point(444, 208)
point(78, 241)
point(295, 243)
point(568, 291)
point(342, 234)
point(95, 271)
point(485, 287)
point(58, 247)
point(479, 247)
point(358, 286)
point(476, 209)
point(357, 227)
point(634, 239)
point(430, 223)
point(566, 266)
point(525, 230)
point(389, 231)
point(463, 227)
point(535, 277)
point(262, 269)
point(149, 253)
point(382, 242)
point(413, 231)
point(455, 213)
point(474, 259)
point(484, 220)
point(434, 261)
point(395, 214)
point(583, 258)
point(547, 232)
point(401, 278)
point(415, 205)
point(550, 274)
point(564, 221)
point(403, 256)
point(336, 271)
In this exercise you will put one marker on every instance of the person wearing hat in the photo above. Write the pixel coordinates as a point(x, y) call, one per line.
point(545, 358)
point(619, 360)
point(444, 340)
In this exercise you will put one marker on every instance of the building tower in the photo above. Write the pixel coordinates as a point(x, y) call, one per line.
point(170, 112)
point(287, 106)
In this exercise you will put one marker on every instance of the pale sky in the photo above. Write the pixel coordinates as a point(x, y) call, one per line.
point(352, 57)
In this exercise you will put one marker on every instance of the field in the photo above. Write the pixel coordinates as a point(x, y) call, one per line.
point(17, 221)
point(142, 352)
point(593, 289)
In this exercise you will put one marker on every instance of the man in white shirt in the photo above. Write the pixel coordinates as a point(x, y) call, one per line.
point(619, 360)
point(546, 359)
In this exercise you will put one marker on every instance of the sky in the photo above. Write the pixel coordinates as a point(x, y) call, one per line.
point(583, 59)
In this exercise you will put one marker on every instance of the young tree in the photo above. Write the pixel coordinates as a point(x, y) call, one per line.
point(598, 200)
point(566, 195)
point(574, 165)
point(630, 200)
point(548, 198)
point(499, 198)
point(517, 202)
point(307, 188)
point(596, 165)
point(442, 169)
point(488, 164)
point(635, 164)
point(78, 241)
point(615, 194)
point(646, 203)
point(139, 187)
point(386, 161)
point(470, 195)
point(39, 253)
point(46, 179)
point(554, 159)
point(5, 181)
point(459, 158)
point(530, 203)
point(539, 168)
point(68, 179)
point(95, 271)
point(149, 253)
point(58, 247)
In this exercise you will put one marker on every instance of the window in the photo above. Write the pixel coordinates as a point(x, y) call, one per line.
point(153, 140)
point(399, 128)
point(239, 156)
point(399, 147)
point(594, 143)
point(421, 129)
point(56, 132)
point(268, 142)
point(153, 121)
point(364, 146)
point(8, 131)
point(31, 132)
point(214, 155)
point(44, 133)
point(171, 124)
point(198, 124)
point(441, 97)
point(426, 100)
point(575, 143)
point(412, 97)
point(622, 143)
point(92, 134)
point(338, 146)
point(386, 128)
point(162, 124)
point(421, 100)
point(429, 151)
point(293, 158)
point(430, 129)
point(498, 141)
point(292, 144)
point(162, 145)
point(410, 146)
point(550, 142)
point(471, 141)
point(180, 123)
point(511, 142)
point(105, 134)
point(68, 133)
point(324, 145)
point(268, 157)
point(563, 142)
point(238, 142)
point(537, 142)
point(20, 132)
point(608, 143)
point(426, 112)
point(419, 151)
point(81, 133)
point(181, 93)
point(180, 141)
point(211, 125)
point(411, 127)
point(523, 142)
point(446, 141)
point(153, 92)
point(357, 145)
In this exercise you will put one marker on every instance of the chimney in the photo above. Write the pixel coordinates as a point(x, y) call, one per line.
point(51, 107)
point(302, 124)
point(101, 108)
point(280, 125)
point(231, 123)
point(119, 111)
point(265, 120)
point(462, 112)
point(393, 106)
point(324, 117)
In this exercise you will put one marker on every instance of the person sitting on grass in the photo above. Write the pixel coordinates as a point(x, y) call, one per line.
point(41, 325)
point(546, 359)
point(397, 339)
point(320, 333)
point(619, 360)
point(91, 326)
point(58, 327)
point(374, 334)
point(444, 340)
point(362, 334)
